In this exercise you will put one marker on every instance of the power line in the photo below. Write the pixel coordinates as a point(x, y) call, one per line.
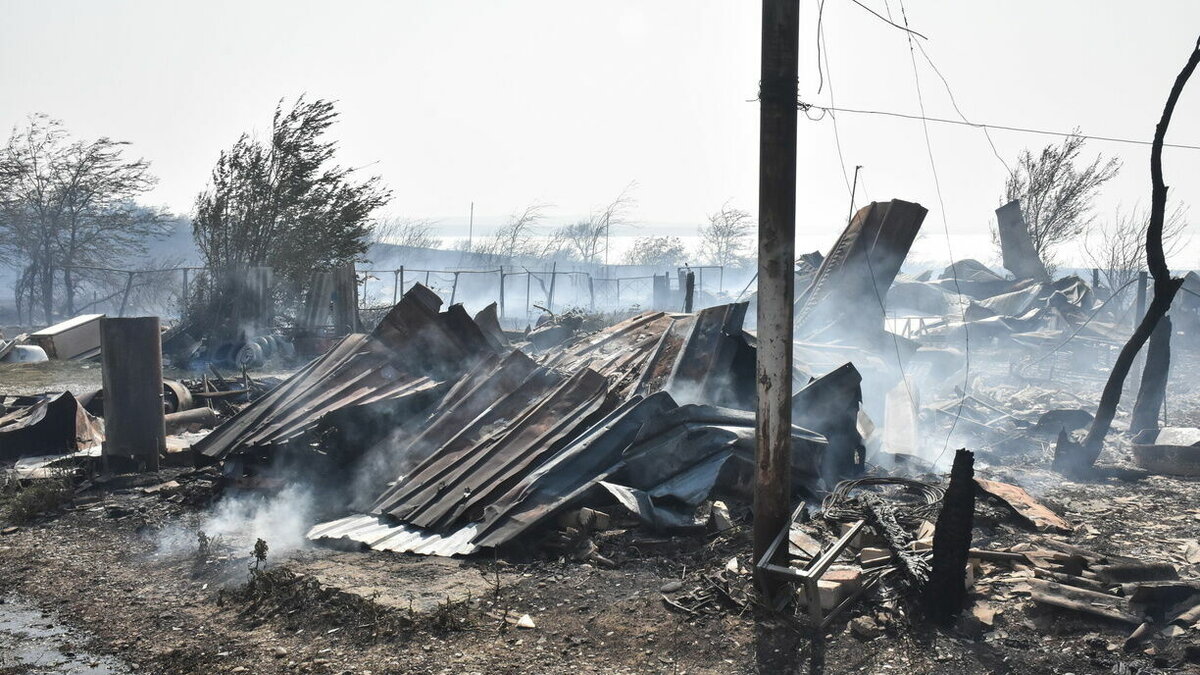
point(958, 110)
point(980, 125)
point(822, 47)
point(949, 249)
point(888, 21)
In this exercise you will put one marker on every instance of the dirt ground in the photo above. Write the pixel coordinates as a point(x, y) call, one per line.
point(99, 567)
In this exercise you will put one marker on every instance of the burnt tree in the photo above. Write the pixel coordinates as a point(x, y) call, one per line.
point(1069, 457)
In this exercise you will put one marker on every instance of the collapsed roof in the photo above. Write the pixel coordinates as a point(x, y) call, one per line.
point(486, 441)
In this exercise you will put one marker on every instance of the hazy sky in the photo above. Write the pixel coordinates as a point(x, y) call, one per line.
point(507, 103)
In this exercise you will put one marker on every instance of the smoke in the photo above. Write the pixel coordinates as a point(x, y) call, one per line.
point(239, 519)
point(379, 467)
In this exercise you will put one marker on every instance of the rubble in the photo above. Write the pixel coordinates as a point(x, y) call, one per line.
point(514, 441)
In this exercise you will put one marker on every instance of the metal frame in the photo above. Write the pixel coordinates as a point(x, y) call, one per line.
point(812, 572)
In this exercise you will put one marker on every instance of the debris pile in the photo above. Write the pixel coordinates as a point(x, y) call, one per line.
point(440, 433)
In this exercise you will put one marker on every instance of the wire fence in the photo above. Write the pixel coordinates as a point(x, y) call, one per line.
point(520, 293)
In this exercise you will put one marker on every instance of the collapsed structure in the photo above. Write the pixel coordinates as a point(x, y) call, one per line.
point(440, 433)
point(488, 441)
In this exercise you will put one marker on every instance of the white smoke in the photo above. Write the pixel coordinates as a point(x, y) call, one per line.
point(238, 520)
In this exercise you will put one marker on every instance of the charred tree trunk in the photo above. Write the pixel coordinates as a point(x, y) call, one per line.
point(69, 290)
point(1153, 389)
point(1078, 458)
point(947, 590)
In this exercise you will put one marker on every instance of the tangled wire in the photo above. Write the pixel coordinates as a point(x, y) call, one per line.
point(916, 501)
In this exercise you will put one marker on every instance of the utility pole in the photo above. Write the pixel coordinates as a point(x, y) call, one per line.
point(471, 228)
point(777, 95)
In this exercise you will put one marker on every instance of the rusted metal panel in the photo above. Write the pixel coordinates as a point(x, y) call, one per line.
point(580, 466)
point(54, 424)
point(703, 366)
point(498, 460)
point(1016, 246)
point(414, 352)
point(849, 290)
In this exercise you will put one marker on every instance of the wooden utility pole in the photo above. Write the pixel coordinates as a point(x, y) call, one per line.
point(777, 95)
point(131, 367)
point(471, 229)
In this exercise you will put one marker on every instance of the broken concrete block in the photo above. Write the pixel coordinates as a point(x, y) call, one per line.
point(802, 544)
point(829, 593)
point(985, 613)
point(838, 583)
point(850, 578)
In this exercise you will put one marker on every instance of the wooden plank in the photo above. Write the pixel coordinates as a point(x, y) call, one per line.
point(1026, 506)
point(1081, 600)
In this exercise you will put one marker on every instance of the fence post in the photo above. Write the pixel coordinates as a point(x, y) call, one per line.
point(1141, 299)
point(550, 294)
point(689, 291)
point(454, 288)
point(396, 286)
point(184, 297)
point(591, 293)
point(125, 297)
point(528, 281)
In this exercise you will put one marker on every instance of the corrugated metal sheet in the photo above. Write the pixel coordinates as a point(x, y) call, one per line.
point(507, 441)
point(379, 535)
point(862, 264)
point(503, 458)
point(415, 354)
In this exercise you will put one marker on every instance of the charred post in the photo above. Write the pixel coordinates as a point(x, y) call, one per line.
point(1153, 389)
point(689, 291)
point(946, 591)
point(778, 92)
point(134, 431)
point(1140, 303)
